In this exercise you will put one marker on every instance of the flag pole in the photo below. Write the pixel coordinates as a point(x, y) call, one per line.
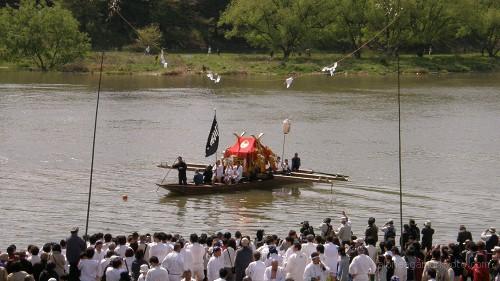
point(215, 116)
point(93, 149)
point(399, 126)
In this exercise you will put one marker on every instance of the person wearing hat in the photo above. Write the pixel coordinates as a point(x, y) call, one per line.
point(362, 266)
point(490, 237)
point(243, 259)
point(74, 247)
point(427, 233)
point(273, 255)
point(296, 263)
point(215, 263)
point(181, 167)
point(315, 270)
point(256, 269)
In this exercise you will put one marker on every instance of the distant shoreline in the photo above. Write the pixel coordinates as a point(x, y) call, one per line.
point(131, 63)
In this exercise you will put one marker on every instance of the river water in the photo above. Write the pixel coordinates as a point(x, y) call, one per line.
point(348, 125)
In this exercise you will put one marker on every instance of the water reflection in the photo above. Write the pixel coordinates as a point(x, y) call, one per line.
point(345, 125)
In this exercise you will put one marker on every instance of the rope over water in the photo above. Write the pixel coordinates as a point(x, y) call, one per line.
point(115, 9)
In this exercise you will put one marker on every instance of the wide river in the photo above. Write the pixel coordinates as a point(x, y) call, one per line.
point(450, 152)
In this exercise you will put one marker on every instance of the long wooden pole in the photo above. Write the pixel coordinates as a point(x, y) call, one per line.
point(93, 148)
point(399, 126)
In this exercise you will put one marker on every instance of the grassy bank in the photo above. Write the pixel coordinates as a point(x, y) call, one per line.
point(255, 64)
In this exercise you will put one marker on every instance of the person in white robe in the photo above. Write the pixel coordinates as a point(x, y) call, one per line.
point(157, 248)
point(400, 265)
point(99, 252)
point(256, 269)
point(274, 272)
point(215, 264)
point(89, 268)
point(309, 247)
point(218, 171)
point(143, 270)
point(315, 270)
point(238, 173)
point(296, 263)
point(174, 263)
point(331, 257)
point(187, 276)
point(114, 271)
point(228, 175)
point(197, 254)
point(362, 266)
point(156, 273)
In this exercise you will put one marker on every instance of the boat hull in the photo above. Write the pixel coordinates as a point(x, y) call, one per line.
point(192, 189)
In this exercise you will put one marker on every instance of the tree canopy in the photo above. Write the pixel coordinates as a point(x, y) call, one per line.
point(47, 35)
point(445, 26)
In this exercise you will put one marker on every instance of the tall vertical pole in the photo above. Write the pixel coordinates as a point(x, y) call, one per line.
point(399, 123)
point(93, 148)
point(283, 151)
point(215, 116)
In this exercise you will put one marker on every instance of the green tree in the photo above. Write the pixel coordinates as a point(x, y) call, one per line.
point(480, 24)
point(149, 36)
point(47, 35)
point(351, 21)
point(431, 23)
point(277, 24)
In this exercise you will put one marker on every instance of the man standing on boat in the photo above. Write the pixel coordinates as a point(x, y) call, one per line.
point(296, 162)
point(181, 166)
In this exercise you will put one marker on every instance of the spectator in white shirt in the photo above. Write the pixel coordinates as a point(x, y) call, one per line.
point(296, 263)
point(197, 254)
point(309, 247)
point(331, 257)
point(256, 269)
point(144, 270)
point(156, 273)
point(362, 266)
point(113, 272)
point(215, 264)
point(99, 252)
point(315, 270)
point(274, 272)
point(174, 263)
point(89, 268)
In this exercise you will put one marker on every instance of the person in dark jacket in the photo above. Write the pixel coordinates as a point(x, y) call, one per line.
point(414, 230)
point(49, 272)
point(136, 264)
point(296, 162)
point(427, 233)
point(463, 235)
point(74, 247)
point(40, 266)
point(244, 257)
point(371, 231)
point(181, 166)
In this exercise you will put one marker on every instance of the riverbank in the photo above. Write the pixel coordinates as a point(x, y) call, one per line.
point(262, 64)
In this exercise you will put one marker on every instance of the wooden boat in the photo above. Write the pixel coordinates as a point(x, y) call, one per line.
point(303, 177)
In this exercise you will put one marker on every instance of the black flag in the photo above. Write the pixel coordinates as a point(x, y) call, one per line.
point(213, 139)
